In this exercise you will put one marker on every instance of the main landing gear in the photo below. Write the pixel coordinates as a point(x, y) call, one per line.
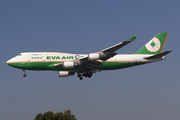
point(24, 75)
point(84, 73)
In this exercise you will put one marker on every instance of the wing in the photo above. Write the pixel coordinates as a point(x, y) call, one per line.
point(90, 60)
point(106, 53)
point(89, 63)
point(118, 46)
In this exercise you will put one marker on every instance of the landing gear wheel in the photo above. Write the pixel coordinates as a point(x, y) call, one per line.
point(90, 74)
point(80, 78)
point(24, 75)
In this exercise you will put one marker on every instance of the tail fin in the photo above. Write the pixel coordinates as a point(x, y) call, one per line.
point(155, 45)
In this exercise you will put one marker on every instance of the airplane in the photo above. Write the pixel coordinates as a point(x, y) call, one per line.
point(85, 65)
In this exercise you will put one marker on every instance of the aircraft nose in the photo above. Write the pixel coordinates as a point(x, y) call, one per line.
point(9, 61)
point(13, 62)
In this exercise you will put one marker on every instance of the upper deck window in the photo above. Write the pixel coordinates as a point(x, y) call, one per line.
point(36, 54)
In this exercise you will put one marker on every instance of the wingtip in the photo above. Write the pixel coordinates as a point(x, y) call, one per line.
point(170, 50)
point(133, 38)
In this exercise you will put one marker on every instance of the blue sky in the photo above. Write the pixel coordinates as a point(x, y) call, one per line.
point(76, 26)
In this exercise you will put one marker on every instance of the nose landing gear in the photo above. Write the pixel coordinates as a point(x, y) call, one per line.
point(24, 75)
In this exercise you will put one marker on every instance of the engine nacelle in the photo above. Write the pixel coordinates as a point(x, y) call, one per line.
point(68, 64)
point(94, 56)
point(65, 73)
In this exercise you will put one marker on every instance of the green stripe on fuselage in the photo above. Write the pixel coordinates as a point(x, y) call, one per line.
point(51, 65)
point(118, 65)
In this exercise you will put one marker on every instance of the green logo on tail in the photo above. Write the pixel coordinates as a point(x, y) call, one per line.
point(153, 45)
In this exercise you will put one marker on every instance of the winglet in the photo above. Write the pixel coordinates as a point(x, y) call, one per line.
point(133, 38)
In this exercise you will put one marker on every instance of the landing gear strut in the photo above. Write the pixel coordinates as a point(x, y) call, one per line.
point(24, 75)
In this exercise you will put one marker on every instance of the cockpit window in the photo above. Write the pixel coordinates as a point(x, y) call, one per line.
point(19, 54)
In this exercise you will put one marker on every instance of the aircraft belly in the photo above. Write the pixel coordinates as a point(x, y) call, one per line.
point(118, 65)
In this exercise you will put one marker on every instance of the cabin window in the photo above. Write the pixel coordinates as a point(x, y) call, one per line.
point(35, 54)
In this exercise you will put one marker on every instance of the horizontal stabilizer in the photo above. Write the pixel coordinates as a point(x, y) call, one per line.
point(160, 55)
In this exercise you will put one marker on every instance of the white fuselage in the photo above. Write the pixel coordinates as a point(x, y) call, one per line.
point(59, 57)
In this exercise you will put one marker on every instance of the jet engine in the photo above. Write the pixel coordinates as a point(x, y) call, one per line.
point(68, 64)
point(93, 56)
point(97, 56)
point(65, 73)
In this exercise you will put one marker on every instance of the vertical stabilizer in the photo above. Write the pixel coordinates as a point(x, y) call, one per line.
point(155, 45)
